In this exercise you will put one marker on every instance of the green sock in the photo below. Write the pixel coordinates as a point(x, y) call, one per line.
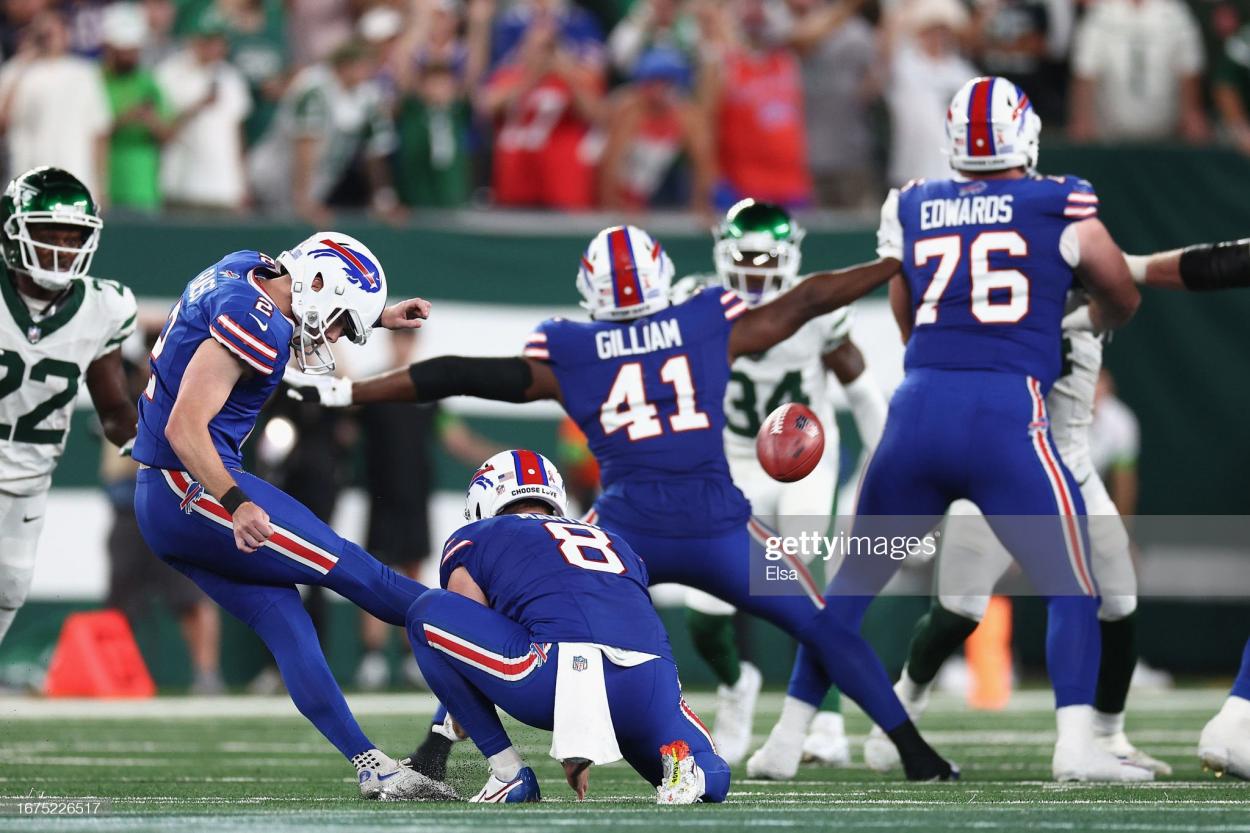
point(833, 701)
point(713, 638)
point(938, 634)
point(1119, 658)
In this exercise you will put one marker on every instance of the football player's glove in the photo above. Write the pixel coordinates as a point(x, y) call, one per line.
point(330, 391)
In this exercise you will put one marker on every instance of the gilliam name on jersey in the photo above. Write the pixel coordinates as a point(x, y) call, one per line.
point(965, 211)
point(646, 337)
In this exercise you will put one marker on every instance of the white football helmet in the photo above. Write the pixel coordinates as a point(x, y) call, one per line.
point(991, 126)
point(332, 276)
point(510, 476)
point(625, 273)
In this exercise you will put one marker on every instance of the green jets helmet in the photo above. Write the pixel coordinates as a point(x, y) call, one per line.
point(757, 251)
point(41, 201)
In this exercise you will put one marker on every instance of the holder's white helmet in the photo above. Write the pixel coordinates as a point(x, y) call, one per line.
point(991, 126)
point(625, 273)
point(510, 476)
point(332, 276)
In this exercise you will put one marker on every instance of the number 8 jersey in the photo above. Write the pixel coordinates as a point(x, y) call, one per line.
point(989, 264)
point(43, 363)
point(649, 396)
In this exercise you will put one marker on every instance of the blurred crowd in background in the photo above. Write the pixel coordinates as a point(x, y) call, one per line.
point(306, 107)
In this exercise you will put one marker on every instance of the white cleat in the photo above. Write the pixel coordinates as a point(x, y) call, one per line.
point(735, 714)
point(1224, 746)
point(826, 741)
point(1091, 762)
point(522, 789)
point(1118, 744)
point(385, 779)
point(880, 753)
point(778, 759)
point(683, 781)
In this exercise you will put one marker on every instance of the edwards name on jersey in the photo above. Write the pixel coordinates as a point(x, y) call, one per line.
point(989, 264)
point(226, 302)
point(43, 363)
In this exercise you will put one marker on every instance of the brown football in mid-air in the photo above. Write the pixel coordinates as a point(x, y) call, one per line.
point(790, 443)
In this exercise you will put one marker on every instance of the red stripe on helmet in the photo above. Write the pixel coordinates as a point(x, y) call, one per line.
point(980, 137)
point(355, 261)
point(529, 469)
point(626, 290)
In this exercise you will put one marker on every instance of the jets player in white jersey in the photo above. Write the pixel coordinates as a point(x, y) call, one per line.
point(758, 255)
point(59, 330)
point(972, 560)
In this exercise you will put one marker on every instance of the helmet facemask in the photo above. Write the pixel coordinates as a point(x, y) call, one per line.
point(758, 273)
point(53, 265)
point(314, 353)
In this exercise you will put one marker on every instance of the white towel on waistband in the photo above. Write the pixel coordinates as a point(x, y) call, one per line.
point(582, 723)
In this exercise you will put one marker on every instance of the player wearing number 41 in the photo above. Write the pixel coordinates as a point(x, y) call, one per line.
point(645, 381)
point(758, 254)
point(988, 259)
point(58, 328)
point(247, 544)
point(550, 620)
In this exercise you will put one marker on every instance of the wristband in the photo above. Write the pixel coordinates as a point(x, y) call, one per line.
point(234, 498)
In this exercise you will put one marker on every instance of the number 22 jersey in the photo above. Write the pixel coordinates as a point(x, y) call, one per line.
point(649, 396)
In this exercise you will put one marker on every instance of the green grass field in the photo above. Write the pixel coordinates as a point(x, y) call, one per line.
point(252, 764)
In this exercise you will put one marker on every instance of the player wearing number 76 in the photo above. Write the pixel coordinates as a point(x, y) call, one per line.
point(58, 328)
point(645, 381)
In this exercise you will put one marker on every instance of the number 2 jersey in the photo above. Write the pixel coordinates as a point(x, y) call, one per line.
point(562, 580)
point(989, 264)
point(43, 363)
point(649, 396)
point(226, 302)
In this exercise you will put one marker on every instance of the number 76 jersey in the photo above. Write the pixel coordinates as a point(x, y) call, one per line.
point(989, 264)
point(43, 363)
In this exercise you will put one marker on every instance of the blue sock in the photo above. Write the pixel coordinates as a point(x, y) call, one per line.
point(288, 632)
point(1073, 647)
point(808, 681)
point(1241, 685)
point(849, 661)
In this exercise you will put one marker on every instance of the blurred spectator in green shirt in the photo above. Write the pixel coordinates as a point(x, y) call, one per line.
point(256, 34)
point(433, 124)
point(142, 119)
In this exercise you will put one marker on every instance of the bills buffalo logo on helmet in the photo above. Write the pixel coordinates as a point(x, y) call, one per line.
point(360, 270)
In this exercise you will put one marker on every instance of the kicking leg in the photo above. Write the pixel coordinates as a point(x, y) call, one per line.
point(21, 521)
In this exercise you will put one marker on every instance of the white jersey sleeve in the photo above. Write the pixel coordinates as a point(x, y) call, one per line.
point(119, 314)
point(836, 328)
point(890, 232)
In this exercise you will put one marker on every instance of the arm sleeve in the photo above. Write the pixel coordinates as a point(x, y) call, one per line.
point(731, 304)
point(837, 328)
point(1080, 201)
point(890, 232)
point(124, 315)
point(246, 333)
point(455, 553)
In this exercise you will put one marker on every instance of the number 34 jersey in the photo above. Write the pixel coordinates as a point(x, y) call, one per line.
point(649, 396)
point(43, 363)
point(989, 264)
point(562, 580)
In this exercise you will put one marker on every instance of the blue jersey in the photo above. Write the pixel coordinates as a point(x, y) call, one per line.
point(226, 302)
point(649, 396)
point(562, 580)
point(989, 267)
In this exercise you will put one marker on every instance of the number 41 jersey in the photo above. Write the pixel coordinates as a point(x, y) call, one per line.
point(649, 396)
point(43, 363)
point(989, 264)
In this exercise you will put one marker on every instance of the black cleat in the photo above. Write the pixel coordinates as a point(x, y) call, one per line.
point(430, 758)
